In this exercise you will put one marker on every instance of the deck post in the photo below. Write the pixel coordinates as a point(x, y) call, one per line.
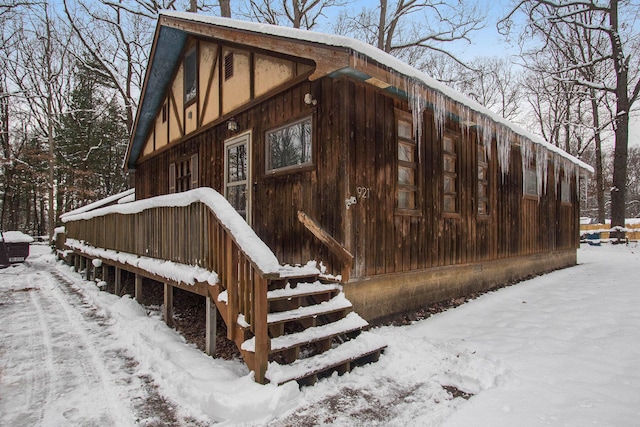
point(260, 327)
point(76, 263)
point(212, 326)
point(138, 288)
point(117, 281)
point(83, 267)
point(167, 308)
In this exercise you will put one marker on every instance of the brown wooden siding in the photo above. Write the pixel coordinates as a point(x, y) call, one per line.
point(355, 146)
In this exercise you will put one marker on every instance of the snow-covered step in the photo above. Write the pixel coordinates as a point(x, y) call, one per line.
point(301, 290)
point(337, 303)
point(351, 323)
point(365, 344)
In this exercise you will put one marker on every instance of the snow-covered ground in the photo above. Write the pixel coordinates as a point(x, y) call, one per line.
point(561, 349)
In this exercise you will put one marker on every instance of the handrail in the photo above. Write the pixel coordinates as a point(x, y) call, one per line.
point(199, 228)
point(332, 244)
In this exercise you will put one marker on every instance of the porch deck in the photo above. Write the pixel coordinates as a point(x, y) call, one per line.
point(197, 242)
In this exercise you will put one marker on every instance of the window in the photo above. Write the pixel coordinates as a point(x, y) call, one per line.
point(450, 174)
point(183, 174)
point(289, 146)
point(530, 185)
point(165, 112)
point(228, 66)
point(565, 191)
point(407, 164)
point(483, 181)
point(190, 76)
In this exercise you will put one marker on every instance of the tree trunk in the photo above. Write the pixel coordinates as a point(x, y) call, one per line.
point(598, 153)
point(225, 8)
point(382, 24)
point(619, 189)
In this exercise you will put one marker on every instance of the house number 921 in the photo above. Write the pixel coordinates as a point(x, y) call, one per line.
point(363, 192)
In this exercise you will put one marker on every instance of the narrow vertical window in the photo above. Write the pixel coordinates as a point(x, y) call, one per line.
point(530, 184)
point(165, 112)
point(565, 190)
point(183, 174)
point(407, 164)
point(483, 181)
point(190, 76)
point(450, 174)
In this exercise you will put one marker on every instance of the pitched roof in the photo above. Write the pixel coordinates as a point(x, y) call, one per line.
point(333, 55)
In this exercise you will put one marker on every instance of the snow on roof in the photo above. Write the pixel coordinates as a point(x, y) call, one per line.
point(381, 58)
point(244, 235)
point(102, 202)
point(15, 237)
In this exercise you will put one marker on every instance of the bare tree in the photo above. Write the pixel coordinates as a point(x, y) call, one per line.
point(295, 13)
point(558, 24)
point(409, 28)
point(36, 74)
point(494, 83)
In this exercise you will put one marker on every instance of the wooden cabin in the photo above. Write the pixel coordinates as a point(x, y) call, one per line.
point(404, 192)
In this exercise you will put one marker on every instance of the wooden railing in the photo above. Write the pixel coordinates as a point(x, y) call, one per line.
point(332, 244)
point(206, 232)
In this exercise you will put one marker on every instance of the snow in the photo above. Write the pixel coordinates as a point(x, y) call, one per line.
point(116, 198)
point(15, 237)
point(300, 289)
point(559, 350)
point(244, 235)
point(339, 302)
point(181, 273)
point(350, 322)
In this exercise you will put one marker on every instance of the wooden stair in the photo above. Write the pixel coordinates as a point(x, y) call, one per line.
point(313, 331)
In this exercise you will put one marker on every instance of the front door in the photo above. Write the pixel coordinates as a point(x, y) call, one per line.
point(237, 175)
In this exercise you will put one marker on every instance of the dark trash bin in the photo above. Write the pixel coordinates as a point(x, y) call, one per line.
point(14, 247)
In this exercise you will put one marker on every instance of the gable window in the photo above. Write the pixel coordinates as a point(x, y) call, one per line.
point(289, 146)
point(450, 174)
point(183, 174)
point(228, 66)
point(483, 181)
point(190, 76)
point(530, 184)
point(165, 112)
point(407, 163)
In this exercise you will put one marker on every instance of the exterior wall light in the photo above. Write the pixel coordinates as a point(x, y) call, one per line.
point(308, 99)
point(232, 125)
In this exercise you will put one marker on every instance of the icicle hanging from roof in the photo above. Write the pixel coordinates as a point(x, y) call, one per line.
point(557, 165)
point(541, 168)
point(487, 133)
point(503, 142)
point(439, 102)
point(466, 120)
point(526, 154)
point(417, 104)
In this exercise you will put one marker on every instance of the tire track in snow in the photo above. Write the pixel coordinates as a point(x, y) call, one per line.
point(24, 386)
point(88, 360)
point(53, 360)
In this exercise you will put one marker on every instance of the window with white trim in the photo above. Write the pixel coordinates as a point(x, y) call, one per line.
point(183, 174)
point(289, 146)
